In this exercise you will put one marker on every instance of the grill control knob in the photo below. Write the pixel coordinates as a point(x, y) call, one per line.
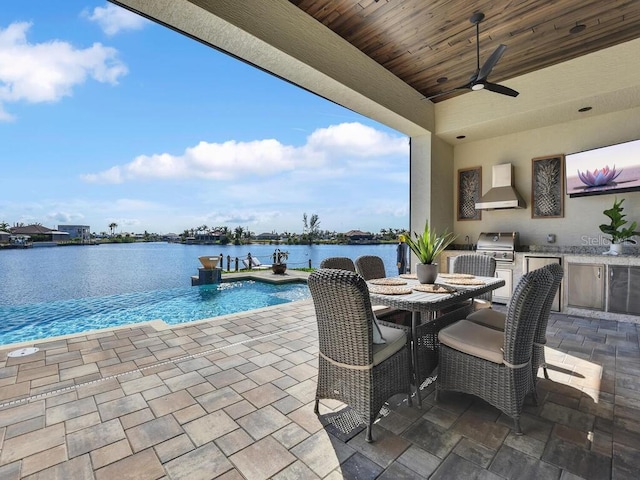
point(504, 254)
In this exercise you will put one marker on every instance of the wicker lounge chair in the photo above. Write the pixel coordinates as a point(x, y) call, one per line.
point(480, 265)
point(496, 320)
point(495, 365)
point(370, 267)
point(351, 368)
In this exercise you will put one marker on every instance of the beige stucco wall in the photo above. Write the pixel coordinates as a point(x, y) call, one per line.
point(432, 190)
point(582, 215)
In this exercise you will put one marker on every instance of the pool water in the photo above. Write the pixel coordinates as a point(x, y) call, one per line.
point(20, 323)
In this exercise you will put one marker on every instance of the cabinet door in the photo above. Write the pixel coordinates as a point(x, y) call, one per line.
point(585, 285)
point(624, 286)
point(633, 305)
point(533, 263)
point(503, 294)
point(618, 288)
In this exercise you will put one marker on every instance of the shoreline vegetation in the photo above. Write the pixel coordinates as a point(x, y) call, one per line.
point(35, 235)
point(216, 239)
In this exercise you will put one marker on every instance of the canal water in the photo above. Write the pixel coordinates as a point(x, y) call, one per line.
point(39, 275)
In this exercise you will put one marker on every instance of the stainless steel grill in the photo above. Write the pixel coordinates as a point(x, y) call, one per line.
point(499, 245)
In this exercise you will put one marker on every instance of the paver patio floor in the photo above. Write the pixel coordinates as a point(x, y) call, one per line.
point(232, 398)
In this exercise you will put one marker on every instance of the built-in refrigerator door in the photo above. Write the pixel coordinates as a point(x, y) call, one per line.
point(533, 263)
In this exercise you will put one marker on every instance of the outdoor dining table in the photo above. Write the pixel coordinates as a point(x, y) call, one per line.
point(425, 307)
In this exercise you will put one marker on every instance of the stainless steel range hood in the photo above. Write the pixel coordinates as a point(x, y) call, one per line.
point(502, 194)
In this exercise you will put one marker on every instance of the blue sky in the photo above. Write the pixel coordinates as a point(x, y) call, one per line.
point(107, 117)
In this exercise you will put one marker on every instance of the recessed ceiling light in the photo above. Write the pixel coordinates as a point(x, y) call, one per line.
point(584, 109)
point(577, 28)
point(460, 137)
point(442, 79)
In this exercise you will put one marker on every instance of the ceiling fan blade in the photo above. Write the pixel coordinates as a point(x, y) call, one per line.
point(490, 63)
point(447, 92)
point(494, 87)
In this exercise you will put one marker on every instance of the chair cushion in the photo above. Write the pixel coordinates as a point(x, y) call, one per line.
point(474, 339)
point(488, 317)
point(395, 338)
point(479, 303)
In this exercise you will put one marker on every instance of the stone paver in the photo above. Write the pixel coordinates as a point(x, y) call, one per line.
point(186, 403)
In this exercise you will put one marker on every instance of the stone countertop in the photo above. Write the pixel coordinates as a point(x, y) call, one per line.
point(628, 250)
point(551, 250)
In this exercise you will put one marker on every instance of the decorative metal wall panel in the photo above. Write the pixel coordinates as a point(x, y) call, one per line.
point(469, 192)
point(547, 187)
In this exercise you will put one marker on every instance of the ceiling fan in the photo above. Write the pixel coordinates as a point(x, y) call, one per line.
point(478, 80)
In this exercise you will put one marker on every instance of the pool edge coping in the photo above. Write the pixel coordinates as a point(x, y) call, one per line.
point(158, 325)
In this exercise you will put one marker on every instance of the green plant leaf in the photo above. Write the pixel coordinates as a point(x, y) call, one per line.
point(615, 228)
point(428, 245)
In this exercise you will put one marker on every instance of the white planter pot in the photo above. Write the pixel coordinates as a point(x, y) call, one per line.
point(615, 248)
point(427, 272)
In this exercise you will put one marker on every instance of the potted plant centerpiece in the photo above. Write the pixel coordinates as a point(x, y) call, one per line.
point(619, 235)
point(279, 265)
point(427, 247)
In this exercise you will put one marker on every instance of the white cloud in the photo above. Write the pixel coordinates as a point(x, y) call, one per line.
point(48, 71)
point(64, 217)
point(325, 149)
point(358, 140)
point(113, 19)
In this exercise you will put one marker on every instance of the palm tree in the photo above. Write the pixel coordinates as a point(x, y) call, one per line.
point(238, 235)
point(314, 225)
point(4, 226)
point(112, 227)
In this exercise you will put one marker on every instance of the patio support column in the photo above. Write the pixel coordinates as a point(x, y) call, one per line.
point(432, 184)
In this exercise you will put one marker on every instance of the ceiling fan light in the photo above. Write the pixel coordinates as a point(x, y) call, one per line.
point(577, 28)
point(477, 86)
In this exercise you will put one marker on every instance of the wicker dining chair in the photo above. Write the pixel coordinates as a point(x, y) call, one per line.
point(352, 369)
point(496, 320)
point(495, 365)
point(480, 265)
point(370, 267)
point(345, 263)
point(342, 263)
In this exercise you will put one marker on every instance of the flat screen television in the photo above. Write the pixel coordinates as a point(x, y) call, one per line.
point(604, 170)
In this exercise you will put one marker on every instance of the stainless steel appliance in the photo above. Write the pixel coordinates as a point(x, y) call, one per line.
point(502, 194)
point(501, 245)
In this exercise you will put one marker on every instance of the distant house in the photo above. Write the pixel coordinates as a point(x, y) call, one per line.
point(271, 237)
point(5, 237)
point(208, 237)
point(40, 234)
point(82, 232)
point(171, 237)
point(357, 236)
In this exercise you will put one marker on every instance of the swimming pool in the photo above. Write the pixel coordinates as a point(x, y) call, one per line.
point(21, 323)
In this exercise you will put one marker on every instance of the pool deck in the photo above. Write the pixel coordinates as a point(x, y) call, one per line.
point(232, 398)
point(290, 276)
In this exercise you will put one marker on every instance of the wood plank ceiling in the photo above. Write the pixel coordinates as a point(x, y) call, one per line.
point(424, 42)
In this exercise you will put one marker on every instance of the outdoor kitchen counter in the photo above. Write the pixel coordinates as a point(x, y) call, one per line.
point(518, 267)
